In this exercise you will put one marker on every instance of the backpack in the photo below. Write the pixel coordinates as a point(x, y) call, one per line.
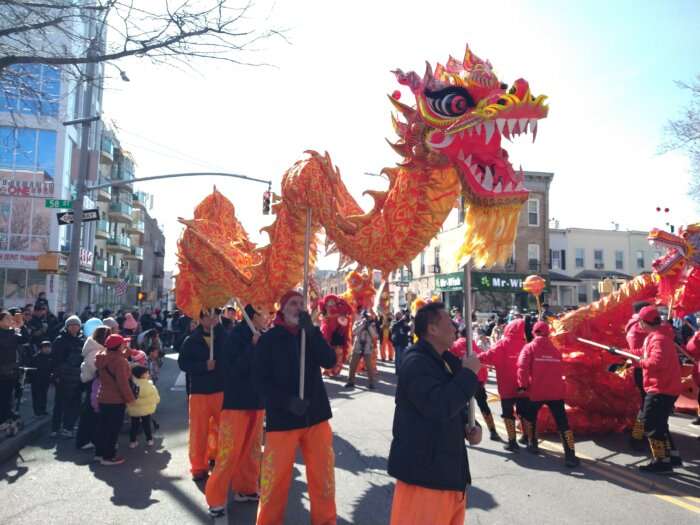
point(135, 389)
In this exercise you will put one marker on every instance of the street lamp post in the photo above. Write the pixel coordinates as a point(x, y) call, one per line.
point(75, 242)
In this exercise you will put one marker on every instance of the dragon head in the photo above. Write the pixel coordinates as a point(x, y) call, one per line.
point(683, 249)
point(462, 111)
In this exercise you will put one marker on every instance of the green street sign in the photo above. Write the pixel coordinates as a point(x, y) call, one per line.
point(60, 204)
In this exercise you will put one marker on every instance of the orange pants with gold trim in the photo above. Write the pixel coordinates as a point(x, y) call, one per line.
point(316, 444)
point(238, 459)
point(414, 505)
point(203, 408)
point(385, 347)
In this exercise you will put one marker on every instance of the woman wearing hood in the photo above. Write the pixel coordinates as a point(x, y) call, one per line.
point(113, 395)
point(504, 357)
point(87, 425)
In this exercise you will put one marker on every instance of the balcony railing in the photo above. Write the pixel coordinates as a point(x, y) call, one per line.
point(121, 240)
point(120, 173)
point(141, 196)
point(100, 265)
point(137, 251)
point(533, 265)
point(102, 226)
point(136, 279)
point(108, 146)
point(116, 273)
point(120, 207)
point(138, 225)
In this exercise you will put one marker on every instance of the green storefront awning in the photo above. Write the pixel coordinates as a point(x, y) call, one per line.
point(485, 282)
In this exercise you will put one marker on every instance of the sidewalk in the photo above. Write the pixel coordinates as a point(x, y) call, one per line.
point(33, 427)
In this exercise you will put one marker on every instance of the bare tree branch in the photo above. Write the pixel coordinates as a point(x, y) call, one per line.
point(684, 134)
point(53, 33)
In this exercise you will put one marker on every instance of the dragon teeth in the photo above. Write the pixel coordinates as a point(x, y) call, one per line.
point(523, 125)
point(470, 131)
point(489, 127)
point(498, 188)
point(513, 126)
point(460, 155)
point(501, 122)
point(461, 134)
point(508, 188)
point(488, 179)
point(469, 160)
point(478, 128)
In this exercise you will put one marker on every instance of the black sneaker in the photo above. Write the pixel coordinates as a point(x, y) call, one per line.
point(494, 436)
point(372, 386)
point(523, 440)
point(695, 421)
point(676, 461)
point(217, 512)
point(570, 460)
point(533, 447)
point(349, 385)
point(512, 446)
point(116, 460)
point(657, 467)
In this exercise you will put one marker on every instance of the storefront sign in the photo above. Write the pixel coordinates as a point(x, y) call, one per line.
point(89, 278)
point(86, 259)
point(484, 282)
point(26, 188)
point(15, 259)
point(502, 282)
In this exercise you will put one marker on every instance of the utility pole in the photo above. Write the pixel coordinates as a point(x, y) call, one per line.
point(75, 242)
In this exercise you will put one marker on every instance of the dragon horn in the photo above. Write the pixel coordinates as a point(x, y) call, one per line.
point(405, 110)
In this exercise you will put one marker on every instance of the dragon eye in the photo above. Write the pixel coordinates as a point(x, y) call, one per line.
point(452, 101)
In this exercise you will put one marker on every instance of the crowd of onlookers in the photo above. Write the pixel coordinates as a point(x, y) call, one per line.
point(99, 366)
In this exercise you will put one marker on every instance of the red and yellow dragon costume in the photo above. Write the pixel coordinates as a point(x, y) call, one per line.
point(450, 143)
point(599, 400)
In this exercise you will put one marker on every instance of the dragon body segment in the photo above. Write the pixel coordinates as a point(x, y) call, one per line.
point(450, 144)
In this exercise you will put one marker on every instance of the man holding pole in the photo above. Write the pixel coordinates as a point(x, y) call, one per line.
point(662, 384)
point(428, 456)
point(295, 420)
point(198, 358)
point(241, 420)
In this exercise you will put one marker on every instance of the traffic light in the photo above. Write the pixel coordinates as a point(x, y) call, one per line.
point(140, 295)
point(266, 202)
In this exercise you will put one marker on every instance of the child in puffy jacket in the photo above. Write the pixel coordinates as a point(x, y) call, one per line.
point(145, 406)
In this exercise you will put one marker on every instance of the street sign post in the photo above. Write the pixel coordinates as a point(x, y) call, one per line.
point(60, 204)
point(66, 217)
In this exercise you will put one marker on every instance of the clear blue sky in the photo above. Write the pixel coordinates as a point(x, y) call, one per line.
point(607, 67)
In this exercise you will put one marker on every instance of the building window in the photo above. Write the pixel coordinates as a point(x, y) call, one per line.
point(437, 259)
point(598, 259)
point(533, 257)
point(619, 260)
point(579, 258)
point(409, 271)
point(36, 90)
point(582, 293)
point(533, 212)
point(556, 260)
point(422, 263)
point(640, 258)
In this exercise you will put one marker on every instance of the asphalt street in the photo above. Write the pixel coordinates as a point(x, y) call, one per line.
point(50, 481)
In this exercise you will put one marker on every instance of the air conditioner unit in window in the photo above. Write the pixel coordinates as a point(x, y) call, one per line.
point(599, 266)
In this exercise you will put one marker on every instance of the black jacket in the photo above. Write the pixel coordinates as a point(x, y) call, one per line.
point(276, 375)
point(44, 369)
point(428, 448)
point(193, 358)
point(399, 332)
point(238, 357)
point(67, 356)
point(10, 342)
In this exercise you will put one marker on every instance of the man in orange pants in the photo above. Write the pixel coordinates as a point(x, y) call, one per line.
point(206, 390)
point(240, 423)
point(293, 421)
point(428, 456)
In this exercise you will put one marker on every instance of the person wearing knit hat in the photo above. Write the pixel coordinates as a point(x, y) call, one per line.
point(130, 324)
point(206, 389)
point(662, 384)
point(241, 420)
point(67, 356)
point(112, 324)
point(294, 421)
point(540, 372)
